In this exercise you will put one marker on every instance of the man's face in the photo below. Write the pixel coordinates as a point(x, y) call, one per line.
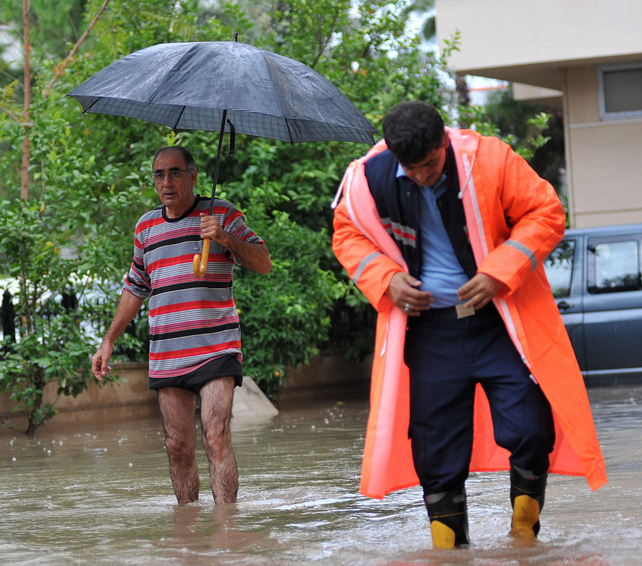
point(176, 194)
point(427, 171)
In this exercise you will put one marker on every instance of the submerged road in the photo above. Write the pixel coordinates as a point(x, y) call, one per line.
point(102, 496)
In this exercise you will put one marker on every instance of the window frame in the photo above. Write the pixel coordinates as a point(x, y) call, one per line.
point(593, 241)
point(574, 243)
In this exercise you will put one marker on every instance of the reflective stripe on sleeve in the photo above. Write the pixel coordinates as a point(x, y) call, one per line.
point(522, 248)
point(362, 265)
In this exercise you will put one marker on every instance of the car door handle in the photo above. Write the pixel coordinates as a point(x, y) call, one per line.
point(563, 305)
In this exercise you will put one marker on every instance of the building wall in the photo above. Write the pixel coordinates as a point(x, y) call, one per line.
point(559, 44)
point(604, 157)
point(510, 33)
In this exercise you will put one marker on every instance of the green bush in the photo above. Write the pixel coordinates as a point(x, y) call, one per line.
point(284, 315)
point(52, 343)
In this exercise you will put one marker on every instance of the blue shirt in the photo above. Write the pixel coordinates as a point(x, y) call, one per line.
point(441, 273)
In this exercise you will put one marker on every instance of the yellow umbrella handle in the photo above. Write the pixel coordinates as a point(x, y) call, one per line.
point(200, 261)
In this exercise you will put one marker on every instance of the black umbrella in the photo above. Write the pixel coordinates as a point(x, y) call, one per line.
point(224, 85)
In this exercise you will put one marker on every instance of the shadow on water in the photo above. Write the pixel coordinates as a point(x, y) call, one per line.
point(102, 495)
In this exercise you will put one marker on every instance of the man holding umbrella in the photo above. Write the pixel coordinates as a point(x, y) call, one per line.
point(220, 86)
point(195, 345)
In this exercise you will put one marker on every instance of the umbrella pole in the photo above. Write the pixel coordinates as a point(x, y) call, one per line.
point(200, 260)
point(218, 160)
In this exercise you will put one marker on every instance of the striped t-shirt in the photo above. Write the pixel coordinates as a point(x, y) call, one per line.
point(191, 320)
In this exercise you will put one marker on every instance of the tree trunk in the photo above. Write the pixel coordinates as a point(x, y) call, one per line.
point(24, 189)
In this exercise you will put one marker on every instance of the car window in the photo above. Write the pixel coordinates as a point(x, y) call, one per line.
point(559, 268)
point(614, 266)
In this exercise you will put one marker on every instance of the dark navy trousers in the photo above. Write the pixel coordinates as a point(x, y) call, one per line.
point(447, 357)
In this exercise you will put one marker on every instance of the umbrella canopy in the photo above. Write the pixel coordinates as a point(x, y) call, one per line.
point(223, 85)
point(188, 86)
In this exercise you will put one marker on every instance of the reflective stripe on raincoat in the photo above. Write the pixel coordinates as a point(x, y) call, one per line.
point(514, 221)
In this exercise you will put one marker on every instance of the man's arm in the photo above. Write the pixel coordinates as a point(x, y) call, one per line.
point(253, 256)
point(369, 268)
point(531, 210)
point(128, 306)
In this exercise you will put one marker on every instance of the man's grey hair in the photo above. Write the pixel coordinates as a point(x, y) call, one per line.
point(187, 156)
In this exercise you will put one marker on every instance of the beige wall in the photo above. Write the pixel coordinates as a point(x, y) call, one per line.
point(131, 390)
point(513, 33)
point(129, 399)
point(328, 376)
point(605, 158)
point(559, 44)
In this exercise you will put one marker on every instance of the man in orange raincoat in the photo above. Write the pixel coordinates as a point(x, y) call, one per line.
point(445, 232)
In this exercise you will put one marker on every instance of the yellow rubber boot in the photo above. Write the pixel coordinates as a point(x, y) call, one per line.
point(527, 494)
point(442, 536)
point(448, 518)
point(525, 517)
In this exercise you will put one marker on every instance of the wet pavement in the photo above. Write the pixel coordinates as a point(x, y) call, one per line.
point(100, 494)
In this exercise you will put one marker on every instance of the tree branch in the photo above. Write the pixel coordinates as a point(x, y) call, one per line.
point(12, 115)
point(14, 79)
point(325, 41)
point(60, 68)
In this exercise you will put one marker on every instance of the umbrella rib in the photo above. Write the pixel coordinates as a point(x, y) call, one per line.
point(179, 118)
point(278, 100)
point(85, 110)
point(175, 68)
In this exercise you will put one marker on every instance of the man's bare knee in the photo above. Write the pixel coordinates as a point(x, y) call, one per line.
point(216, 413)
point(180, 451)
point(177, 412)
point(217, 438)
point(216, 405)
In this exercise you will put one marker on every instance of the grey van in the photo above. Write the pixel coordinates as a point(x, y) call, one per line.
point(596, 282)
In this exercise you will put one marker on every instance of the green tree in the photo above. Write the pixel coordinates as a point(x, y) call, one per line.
point(424, 9)
point(57, 278)
point(72, 238)
point(53, 26)
point(515, 121)
point(364, 51)
point(89, 182)
point(89, 179)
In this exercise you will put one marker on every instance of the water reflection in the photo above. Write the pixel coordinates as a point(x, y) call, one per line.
point(103, 496)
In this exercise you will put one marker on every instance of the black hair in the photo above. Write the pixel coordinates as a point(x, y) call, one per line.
point(412, 129)
point(187, 156)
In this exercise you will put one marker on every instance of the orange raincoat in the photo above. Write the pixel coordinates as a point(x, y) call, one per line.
point(514, 221)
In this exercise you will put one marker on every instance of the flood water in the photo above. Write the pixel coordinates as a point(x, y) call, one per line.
point(101, 495)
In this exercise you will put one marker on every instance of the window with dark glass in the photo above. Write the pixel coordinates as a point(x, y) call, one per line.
point(623, 90)
point(614, 266)
point(620, 91)
point(559, 268)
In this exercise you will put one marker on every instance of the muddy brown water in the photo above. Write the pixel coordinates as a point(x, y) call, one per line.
point(100, 495)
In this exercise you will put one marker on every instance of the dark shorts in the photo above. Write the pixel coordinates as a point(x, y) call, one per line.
point(225, 366)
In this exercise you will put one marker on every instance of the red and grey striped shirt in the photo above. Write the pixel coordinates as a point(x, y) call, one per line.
point(191, 320)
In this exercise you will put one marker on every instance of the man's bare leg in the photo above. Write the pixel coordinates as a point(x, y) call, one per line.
point(216, 412)
point(177, 411)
